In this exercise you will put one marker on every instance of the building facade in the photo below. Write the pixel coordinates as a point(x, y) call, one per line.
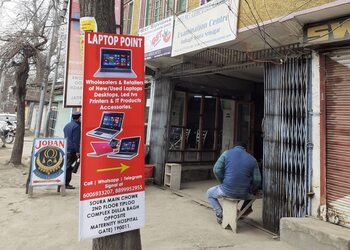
point(273, 74)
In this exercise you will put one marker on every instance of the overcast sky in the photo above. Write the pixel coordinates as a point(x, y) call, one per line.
point(10, 10)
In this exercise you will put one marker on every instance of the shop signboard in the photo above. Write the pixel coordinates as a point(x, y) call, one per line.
point(112, 155)
point(48, 162)
point(331, 31)
point(211, 24)
point(158, 38)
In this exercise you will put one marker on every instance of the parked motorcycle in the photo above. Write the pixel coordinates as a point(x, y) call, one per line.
point(8, 132)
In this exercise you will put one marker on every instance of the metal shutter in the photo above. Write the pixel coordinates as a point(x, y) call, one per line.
point(338, 137)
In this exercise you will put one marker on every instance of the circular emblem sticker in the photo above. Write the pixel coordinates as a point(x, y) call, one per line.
point(49, 162)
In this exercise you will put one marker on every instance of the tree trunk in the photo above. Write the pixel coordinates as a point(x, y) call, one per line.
point(21, 81)
point(103, 11)
point(124, 241)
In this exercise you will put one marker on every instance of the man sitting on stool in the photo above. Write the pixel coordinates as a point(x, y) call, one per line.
point(238, 173)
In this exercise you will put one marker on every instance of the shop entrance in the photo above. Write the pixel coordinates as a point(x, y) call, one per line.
point(265, 103)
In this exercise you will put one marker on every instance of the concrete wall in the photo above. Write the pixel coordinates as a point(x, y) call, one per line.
point(136, 18)
point(177, 109)
point(160, 125)
point(264, 10)
point(63, 117)
point(261, 10)
point(316, 210)
point(192, 4)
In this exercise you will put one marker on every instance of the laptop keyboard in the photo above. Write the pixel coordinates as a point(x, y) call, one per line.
point(114, 70)
point(107, 70)
point(102, 130)
point(125, 153)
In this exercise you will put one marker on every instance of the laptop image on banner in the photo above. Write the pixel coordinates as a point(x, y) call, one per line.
point(128, 149)
point(110, 125)
point(115, 63)
point(103, 148)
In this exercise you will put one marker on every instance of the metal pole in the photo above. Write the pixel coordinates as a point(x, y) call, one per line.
point(52, 90)
point(44, 82)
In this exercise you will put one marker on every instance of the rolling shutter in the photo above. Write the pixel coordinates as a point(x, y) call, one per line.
point(338, 137)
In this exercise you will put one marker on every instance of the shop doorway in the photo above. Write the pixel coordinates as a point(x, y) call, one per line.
point(195, 129)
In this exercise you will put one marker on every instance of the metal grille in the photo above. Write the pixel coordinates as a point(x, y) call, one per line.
point(286, 168)
point(338, 137)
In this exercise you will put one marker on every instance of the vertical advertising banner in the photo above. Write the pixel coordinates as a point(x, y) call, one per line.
point(74, 66)
point(48, 162)
point(112, 157)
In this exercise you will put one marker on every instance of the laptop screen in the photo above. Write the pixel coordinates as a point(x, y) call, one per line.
point(112, 121)
point(114, 143)
point(129, 145)
point(115, 59)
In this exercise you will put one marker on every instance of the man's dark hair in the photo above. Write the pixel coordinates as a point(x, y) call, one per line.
point(242, 144)
point(76, 115)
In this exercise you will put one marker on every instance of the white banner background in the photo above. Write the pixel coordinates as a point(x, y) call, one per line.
point(211, 24)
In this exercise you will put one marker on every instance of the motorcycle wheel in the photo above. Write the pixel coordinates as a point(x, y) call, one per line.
point(9, 139)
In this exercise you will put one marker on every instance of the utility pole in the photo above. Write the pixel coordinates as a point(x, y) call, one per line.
point(52, 42)
point(52, 91)
point(62, 16)
point(103, 12)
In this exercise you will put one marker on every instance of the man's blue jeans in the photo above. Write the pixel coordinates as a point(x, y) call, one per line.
point(213, 194)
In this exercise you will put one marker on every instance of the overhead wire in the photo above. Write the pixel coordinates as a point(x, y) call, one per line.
point(254, 33)
point(272, 38)
point(260, 30)
point(262, 33)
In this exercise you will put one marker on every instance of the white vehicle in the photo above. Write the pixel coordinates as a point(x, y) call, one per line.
point(7, 132)
point(8, 117)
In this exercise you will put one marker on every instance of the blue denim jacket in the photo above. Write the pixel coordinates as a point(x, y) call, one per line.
point(238, 172)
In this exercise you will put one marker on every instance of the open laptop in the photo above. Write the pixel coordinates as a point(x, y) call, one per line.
point(110, 125)
point(115, 63)
point(103, 148)
point(128, 149)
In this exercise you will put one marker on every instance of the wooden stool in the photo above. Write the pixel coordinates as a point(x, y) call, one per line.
point(231, 213)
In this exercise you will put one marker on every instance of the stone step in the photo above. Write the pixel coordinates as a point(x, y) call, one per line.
point(314, 234)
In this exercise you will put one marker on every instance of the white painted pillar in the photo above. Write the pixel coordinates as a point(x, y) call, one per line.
point(316, 163)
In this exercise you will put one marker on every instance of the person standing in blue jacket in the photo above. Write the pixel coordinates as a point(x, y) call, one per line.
point(72, 133)
point(238, 174)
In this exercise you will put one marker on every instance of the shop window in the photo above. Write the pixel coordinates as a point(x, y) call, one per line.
point(128, 10)
point(194, 132)
point(169, 8)
point(176, 121)
point(157, 10)
point(209, 122)
point(181, 6)
point(194, 104)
